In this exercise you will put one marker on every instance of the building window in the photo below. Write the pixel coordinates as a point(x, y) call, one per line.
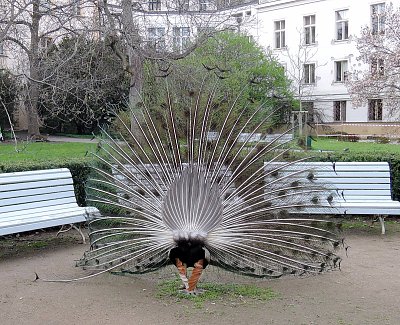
point(377, 67)
point(375, 110)
point(181, 37)
point(341, 71)
point(339, 110)
point(156, 36)
point(204, 5)
point(154, 5)
point(342, 25)
point(309, 73)
point(280, 41)
point(378, 18)
point(309, 29)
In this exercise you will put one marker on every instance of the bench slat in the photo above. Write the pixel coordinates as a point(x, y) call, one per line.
point(339, 166)
point(44, 199)
point(33, 205)
point(49, 213)
point(35, 191)
point(357, 176)
point(35, 211)
point(21, 177)
point(36, 184)
point(38, 223)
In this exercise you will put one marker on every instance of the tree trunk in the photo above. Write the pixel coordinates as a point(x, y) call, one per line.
point(136, 62)
point(31, 102)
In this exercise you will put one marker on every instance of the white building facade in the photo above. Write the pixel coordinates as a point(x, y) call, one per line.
point(315, 40)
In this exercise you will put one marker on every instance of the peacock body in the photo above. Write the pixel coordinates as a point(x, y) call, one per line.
point(209, 181)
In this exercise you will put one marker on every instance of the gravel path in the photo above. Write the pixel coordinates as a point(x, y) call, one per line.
point(366, 291)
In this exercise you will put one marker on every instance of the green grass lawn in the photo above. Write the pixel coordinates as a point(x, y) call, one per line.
point(334, 145)
point(44, 152)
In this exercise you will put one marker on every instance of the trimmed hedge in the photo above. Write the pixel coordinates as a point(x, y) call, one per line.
point(80, 168)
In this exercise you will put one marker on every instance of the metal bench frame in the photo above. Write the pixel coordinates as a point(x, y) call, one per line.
point(358, 188)
point(39, 199)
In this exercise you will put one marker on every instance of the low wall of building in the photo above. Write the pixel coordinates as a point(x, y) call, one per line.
point(374, 129)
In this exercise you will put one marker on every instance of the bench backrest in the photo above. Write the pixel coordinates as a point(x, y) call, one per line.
point(36, 189)
point(140, 177)
point(353, 180)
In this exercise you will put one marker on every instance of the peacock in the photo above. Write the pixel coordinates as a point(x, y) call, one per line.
point(194, 182)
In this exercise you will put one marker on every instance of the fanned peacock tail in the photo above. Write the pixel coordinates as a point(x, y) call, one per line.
point(206, 180)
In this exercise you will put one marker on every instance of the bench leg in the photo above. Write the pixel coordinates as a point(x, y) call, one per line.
point(78, 229)
point(382, 221)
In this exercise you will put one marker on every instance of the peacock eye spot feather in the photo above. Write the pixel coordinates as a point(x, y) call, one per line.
point(310, 176)
point(315, 200)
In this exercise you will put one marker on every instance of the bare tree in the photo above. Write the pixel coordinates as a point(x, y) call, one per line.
point(379, 48)
point(28, 28)
point(84, 82)
point(176, 29)
point(301, 68)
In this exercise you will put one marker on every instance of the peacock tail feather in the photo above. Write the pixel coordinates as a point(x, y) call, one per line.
point(209, 179)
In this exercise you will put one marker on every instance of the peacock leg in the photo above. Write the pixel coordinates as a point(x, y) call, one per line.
point(182, 272)
point(196, 273)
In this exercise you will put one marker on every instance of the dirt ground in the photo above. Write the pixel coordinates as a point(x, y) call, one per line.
point(365, 291)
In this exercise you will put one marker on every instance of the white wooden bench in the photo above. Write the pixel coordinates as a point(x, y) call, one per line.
point(39, 199)
point(358, 188)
